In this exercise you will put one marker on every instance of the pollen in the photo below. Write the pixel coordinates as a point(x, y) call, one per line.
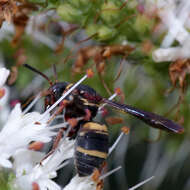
point(95, 176)
point(35, 186)
point(37, 123)
point(2, 92)
point(89, 73)
point(36, 146)
point(125, 130)
point(118, 91)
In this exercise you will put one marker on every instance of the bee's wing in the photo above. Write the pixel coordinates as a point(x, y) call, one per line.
point(149, 118)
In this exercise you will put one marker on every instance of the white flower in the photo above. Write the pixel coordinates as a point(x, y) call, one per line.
point(25, 160)
point(174, 16)
point(167, 54)
point(4, 73)
point(25, 182)
point(81, 183)
point(20, 130)
point(42, 173)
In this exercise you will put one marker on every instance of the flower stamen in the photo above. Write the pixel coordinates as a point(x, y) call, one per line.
point(32, 103)
point(116, 143)
point(109, 173)
point(141, 183)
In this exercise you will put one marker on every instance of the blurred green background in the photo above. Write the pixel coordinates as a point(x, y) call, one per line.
point(144, 152)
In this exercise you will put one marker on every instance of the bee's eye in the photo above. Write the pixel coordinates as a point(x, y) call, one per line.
point(57, 93)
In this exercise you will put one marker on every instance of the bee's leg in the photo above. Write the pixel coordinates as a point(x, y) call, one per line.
point(55, 144)
point(72, 122)
point(59, 110)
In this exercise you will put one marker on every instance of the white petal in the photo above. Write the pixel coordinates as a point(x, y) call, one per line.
point(13, 123)
point(45, 184)
point(81, 183)
point(5, 163)
point(25, 160)
point(4, 107)
point(63, 152)
point(20, 130)
point(34, 117)
point(168, 54)
point(23, 183)
point(4, 73)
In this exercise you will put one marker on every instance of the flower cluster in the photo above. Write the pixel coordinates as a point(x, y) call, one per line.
point(100, 19)
point(19, 131)
point(175, 18)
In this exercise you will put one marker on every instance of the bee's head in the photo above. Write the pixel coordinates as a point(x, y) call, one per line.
point(54, 93)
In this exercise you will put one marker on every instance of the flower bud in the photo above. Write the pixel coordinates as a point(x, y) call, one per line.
point(103, 32)
point(143, 24)
point(69, 13)
point(110, 12)
point(106, 33)
point(79, 3)
point(91, 29)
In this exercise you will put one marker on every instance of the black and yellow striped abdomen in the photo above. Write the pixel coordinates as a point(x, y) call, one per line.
point(91, 148)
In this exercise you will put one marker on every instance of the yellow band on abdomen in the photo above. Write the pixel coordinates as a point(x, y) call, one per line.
point(92, 152)
point(95, 126)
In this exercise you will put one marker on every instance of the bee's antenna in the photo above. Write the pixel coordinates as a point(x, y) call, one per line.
point(40, 73)
point(55, 73)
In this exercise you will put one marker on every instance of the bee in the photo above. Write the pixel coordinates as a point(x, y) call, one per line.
point(91, 145)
